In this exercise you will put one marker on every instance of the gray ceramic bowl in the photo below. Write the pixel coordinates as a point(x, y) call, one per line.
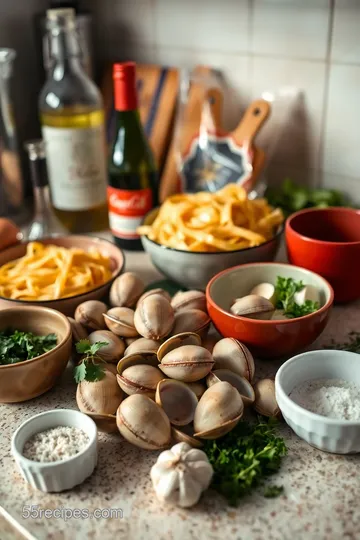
point(193, 270)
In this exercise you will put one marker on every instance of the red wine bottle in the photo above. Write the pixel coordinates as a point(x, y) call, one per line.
point(133, 178)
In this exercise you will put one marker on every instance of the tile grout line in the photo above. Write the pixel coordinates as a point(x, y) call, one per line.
point(326, 90)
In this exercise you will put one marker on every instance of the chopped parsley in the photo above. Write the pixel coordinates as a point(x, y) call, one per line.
point(285, 290)
point(243, 458)
point(17, 346)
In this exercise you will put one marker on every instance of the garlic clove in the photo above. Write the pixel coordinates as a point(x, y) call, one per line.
point(307, 293)
point(265, 400)
point(178, 401)
point(266, 290)
point(253, 307)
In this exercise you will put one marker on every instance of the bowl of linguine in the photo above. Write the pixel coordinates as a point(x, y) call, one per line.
point(58, 272)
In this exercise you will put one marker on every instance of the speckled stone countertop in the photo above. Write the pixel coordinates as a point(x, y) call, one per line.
point(321, 498)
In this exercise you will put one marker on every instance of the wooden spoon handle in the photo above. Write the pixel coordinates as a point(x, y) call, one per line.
point(254, 117)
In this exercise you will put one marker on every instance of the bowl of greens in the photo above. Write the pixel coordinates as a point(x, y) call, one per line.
point(35, 346)
point(275, 309)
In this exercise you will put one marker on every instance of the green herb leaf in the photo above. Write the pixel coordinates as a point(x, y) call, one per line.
point(80, 372)
point(291, 197)
point(17, 346)
point(244, 457)
point(92, 369)
point(94, 372)
point(273, 491)
point(83, 346)
point(285, 290)
point(95, 347)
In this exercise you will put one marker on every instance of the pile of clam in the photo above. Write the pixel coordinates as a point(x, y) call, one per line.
point(165, 379)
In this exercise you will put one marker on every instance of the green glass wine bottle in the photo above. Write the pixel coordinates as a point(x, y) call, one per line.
point(132, 175)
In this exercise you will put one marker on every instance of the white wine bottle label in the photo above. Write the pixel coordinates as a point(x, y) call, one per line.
point(76, 166)
point(127, 210)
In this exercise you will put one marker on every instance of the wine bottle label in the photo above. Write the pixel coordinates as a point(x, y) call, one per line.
point(127, 210)
point(76, 166)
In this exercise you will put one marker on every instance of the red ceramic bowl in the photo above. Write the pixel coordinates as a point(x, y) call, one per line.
point(327, 241)
point(266, 339)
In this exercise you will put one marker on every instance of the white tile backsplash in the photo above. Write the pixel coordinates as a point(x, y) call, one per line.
point(346, 38)
point(299, 141)
point(342, 128)
point(292, 29)
point(261, 45)
point(210, 25)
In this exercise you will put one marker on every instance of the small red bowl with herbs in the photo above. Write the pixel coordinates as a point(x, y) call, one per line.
point(327, 241)
point(270, 337)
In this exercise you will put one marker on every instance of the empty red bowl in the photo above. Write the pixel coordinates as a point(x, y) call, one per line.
point(273, 338)
point(327, 241)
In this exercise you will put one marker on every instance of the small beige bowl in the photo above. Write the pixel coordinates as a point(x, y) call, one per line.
point(31, 378)
point(68, 305)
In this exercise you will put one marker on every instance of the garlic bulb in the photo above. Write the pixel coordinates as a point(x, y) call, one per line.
point(181, 474)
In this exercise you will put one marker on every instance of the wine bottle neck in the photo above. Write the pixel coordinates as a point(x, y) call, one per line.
point(125, 96)
point(64, 51)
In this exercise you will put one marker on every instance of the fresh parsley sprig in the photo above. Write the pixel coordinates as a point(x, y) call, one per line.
point(285, 290)
point(243, 458)
point(91, 367)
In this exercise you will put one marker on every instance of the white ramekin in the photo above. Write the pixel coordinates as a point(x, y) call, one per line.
point(330, 435)
point(58, 475)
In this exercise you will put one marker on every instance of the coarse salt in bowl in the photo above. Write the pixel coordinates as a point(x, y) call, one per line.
point(56, 476)
point(329, 434)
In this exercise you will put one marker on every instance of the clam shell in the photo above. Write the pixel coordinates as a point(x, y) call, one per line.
point(177, 400)
point(198, 387)
point(120, 320)
point(187, 363)
point(265, 400)
point(90, 314)
point(143, 423)
point(186, 338)
point(100, 397)
point(126, 290)
point(139, 374)
point(115, 348)
point(210, 341)
point(253, 307)
point(191, 320)
point(241, 384)
point(162, 292)
point(141, 345)
point(154, 317)
point(189, 300)
point(186, 435)
point(130, 340)
point(78, 330)
point(105, 423)
point(218, 411)
point(229, 353)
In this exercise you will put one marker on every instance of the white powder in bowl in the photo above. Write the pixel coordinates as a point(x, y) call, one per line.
point(334, 398)
point(55, 444)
